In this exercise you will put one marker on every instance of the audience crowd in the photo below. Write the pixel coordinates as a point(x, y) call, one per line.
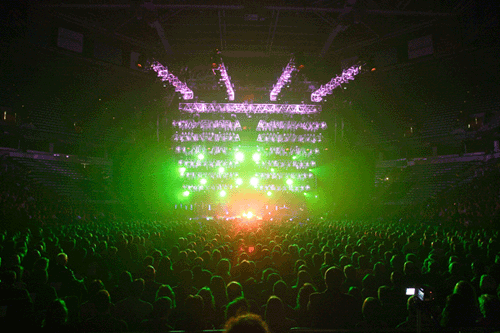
point(73, 269)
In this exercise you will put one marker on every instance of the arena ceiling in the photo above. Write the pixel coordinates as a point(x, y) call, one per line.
point(254, 32)
point(251, 28)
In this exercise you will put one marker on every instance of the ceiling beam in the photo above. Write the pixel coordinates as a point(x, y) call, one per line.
point(372, 41)
point(407, 13)
point(339, 27)
point(369, 11)
point(165, 17)
point(161, 33)
point(222, 41)
point(97, 29)
point(336, 30)
point(124, 6)
point(271, 40)
point(236, 7)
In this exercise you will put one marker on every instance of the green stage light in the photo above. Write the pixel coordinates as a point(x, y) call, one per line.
point(272, 170)
point(269, 193)
point(254, 181)
point(221, 169)
point(239, 181)
point(256, 157)
point(182, 170)
point(201, 156)
point(305, 194)
point(185, 193)
point(203, 181)
point(289, 182)
point(294, 158)
point(222, 193)
point(240, 156)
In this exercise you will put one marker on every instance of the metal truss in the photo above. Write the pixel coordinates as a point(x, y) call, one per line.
point(347, 75)
point(205, 124)
point(312, 126)
point(284, 79)
point(165, 75)
point(249, 108)
point(227, 81)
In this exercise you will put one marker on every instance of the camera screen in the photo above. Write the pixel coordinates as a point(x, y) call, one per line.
point(410, 291)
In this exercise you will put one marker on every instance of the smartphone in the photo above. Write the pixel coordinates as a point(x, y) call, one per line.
point(420, 294)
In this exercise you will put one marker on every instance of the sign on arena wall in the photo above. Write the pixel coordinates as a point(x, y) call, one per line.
point(70, 40)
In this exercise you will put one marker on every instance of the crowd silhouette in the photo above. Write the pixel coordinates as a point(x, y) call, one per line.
point(80, 269)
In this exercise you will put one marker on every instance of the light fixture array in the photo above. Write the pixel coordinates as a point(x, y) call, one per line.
point(280, 151)
point(283, 79)
point(260, 175)
point(266, 188)
point(205, 137)
point(347, 75)
point(211, 164)
point(226, 125)
point(165, 75)
point(272, 137)
point(249, 108)
point(267, 164)
point(290, 125)
point(232, 137)
point(227, 81)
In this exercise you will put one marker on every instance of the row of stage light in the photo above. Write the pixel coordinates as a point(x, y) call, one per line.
point(317, 96)
point(186, 192)
point(267, 164)
point(269, 189)
point(219, 178)
point(235, 175)
point(228, 125)
point(239, 159)
point(294, 152)
point(289, 178)
point(235, 137)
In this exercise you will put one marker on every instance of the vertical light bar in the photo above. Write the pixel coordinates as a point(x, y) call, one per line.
point(284, 78)
point(227, 81)
point(347, 75)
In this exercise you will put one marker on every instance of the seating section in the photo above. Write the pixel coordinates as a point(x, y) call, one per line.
point(67, 179)
point(48, 116)
point(417, 183)
point(441, 121)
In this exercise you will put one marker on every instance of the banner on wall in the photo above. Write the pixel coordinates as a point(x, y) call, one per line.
point(420, 47)
point(70, 40)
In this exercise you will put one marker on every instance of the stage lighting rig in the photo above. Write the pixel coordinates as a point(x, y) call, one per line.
point(347, 75)
point(289, 109)
point(284, 79)
point(218, 66)
point(165, 76)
